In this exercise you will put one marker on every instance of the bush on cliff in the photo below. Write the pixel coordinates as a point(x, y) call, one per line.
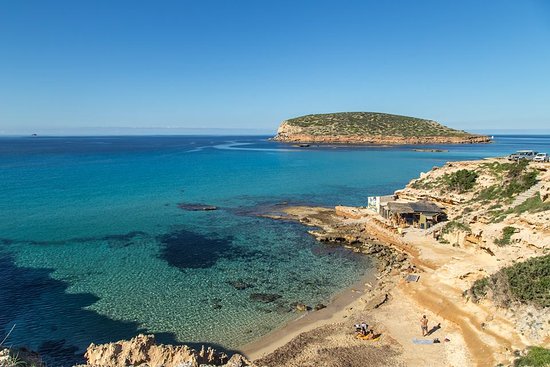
point(536, 357)
point(530, 280)
point(525, 282)
point(506, 238)
point(532, 205)
point(454, 225)
point(516, 178)
point(461, 181)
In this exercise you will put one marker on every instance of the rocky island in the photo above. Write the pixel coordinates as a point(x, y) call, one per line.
point(371, 128)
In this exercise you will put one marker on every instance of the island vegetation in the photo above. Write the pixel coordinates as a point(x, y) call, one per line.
point(370, 128)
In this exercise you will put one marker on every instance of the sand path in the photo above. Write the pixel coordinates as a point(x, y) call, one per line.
point(439, 291)
point(478, 335)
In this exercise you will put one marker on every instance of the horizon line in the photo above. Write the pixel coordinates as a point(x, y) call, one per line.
point(200, 131)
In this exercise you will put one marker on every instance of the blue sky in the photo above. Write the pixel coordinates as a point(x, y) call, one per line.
point(250, 64)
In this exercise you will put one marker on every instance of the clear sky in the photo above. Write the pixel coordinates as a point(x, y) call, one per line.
point(250, 64)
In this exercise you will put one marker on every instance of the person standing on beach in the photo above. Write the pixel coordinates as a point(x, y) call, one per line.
point(424, 325)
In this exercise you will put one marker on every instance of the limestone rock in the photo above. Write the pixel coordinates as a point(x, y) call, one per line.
point(144, 351)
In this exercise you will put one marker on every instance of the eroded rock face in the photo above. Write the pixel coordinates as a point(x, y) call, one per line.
point(290, 133)
point(143, 351)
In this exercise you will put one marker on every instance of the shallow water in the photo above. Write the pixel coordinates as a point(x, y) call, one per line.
point(94, 248)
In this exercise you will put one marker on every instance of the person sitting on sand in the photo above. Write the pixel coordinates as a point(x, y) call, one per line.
point(364, 328)
point(424, 325)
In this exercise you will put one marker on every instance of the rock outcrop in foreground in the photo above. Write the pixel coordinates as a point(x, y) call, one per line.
point(371, 128)
point(144, 351)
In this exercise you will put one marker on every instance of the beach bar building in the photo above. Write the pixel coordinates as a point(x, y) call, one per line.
point(375, 203)
point(419, 214)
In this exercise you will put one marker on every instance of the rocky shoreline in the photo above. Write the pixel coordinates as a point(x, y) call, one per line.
point(377, 140)
point(446, 264)
point(141, 350)
point(449, 262)
point(331, 229)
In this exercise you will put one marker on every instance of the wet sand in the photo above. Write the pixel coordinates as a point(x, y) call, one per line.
point(337, 310)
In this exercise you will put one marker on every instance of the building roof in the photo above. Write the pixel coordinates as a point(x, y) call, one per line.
point(414, 207)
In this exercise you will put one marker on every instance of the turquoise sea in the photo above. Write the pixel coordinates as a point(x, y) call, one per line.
point(94, 248)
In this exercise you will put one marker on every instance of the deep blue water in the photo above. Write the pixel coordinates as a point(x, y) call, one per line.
point(93, 246)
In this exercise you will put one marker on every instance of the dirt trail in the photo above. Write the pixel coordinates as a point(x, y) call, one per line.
point(440, 294)
point(481, 352)
point(480, 335)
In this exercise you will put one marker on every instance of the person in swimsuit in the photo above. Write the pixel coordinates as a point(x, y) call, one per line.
point(364, 328)
point(424, 325)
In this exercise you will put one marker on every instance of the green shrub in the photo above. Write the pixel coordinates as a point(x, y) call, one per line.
point(516, 178)
point(521, 183)
point(507, 233)
point(455, 226)
point(531, 205)
point(536, 357)
point(461, 180)
point(479, 289)
point(489, 193)
point(516, 169)
point(526, 282)
point(422, 184)
point(530, 280)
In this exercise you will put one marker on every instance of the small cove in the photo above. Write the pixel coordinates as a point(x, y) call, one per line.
point(94, 247)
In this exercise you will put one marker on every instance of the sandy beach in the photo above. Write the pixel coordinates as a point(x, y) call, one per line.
point(339, 308)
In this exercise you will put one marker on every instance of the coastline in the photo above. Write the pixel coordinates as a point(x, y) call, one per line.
point(476, 333)
point(377, 140)
point(352, 305)
point(337, 310)
point(480, 333)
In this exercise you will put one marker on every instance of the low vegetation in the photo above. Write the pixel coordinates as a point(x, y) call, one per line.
point(507, 233)
point(536, 357)
point(454, 225)
point(526, 282)
point(515, 178)
point(460, 181)
point(421, 184)
point(19, 358)
point(531, 205)
point(479, 289)
point(373, 124)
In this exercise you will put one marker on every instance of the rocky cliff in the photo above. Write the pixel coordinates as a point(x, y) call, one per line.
point(370, 128)
point(500, 212)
